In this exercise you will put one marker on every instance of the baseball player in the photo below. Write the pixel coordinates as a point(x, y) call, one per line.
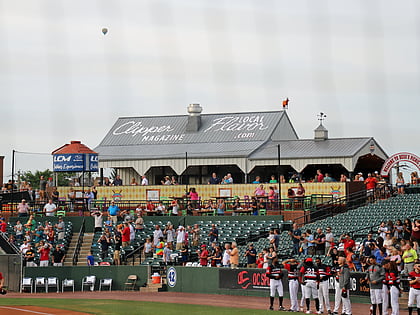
point(414, 293)
point(275, 274)
point(309, 277)
point(324, 277)
point(375, 276)
point(291, 265)
point(392, 283)
point(342, 286)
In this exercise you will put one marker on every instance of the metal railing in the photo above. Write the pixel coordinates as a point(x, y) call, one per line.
point(79, 243)
point(334, 206)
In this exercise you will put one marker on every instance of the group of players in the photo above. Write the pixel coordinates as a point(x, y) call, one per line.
point(314, 277)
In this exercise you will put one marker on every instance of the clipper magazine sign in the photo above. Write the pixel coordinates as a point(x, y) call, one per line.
point(75, 162)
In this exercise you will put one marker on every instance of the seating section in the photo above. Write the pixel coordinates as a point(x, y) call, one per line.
point(64, 243)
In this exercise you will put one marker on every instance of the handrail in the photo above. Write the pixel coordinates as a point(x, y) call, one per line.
point(10, 247)
point(133, 252)
point(343, 204)
point(79, 243)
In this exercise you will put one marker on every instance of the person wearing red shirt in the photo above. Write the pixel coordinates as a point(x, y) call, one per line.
point(204, 254)
point(44, 257)
point(319, 176)
point(125, 237)
point(3, 225)
point(414, 293)
point(150, 206)
point(370, 183)
point(347, 242)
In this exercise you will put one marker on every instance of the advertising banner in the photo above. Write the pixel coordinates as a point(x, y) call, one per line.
point(75, 162)
point(256, 279)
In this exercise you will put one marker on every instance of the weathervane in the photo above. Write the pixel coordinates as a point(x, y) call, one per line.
point(321, 117)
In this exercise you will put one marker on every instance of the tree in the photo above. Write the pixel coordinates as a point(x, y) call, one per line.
point(33, 178)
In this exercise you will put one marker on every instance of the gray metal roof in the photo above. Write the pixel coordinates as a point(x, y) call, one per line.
point(220, 135)
point(171, 151)
point(310, 148)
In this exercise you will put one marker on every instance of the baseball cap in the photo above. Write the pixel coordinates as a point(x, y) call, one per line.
point(204, 245)
point(309, 259)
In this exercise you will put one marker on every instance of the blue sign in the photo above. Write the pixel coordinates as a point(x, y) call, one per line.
point(171, 277)
point(78, 162)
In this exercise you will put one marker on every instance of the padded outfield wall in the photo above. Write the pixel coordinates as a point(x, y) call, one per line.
point(252, 282)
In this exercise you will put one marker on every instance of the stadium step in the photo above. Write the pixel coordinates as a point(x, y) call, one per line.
point(84, 249)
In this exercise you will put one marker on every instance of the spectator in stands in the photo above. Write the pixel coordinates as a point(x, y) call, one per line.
point(118, 245)
point(383, 229)
point(259, 191)
point(170, 233)
point(319, 178)
point(44, 251)
point(139, 223)
point(320, 240)
point(328, 178)
point(282, 179)
point(257, 180)
point(60, 226)
point(113, 211)
point(214, 180)
point(157, 233)
point(159, 247)
point(275, 239)
point(221, 207)
point(117, 181)
point(213, 234)
point(97, 215)
point(365, 248)
point(50, 208)
point(107, 182)
point(23, 209)
point(310, 240)
point(400, 183)
point(90, 259)
point(300, 191)
point(30, 256)
point(148, 248)
point(295, 235)
point(195, 235)
point(133, 182)
point(167, 251)
point(228, 179)
point(234, 256)
point(166, 181)
point(271, 255)
point(125, 235)
point(174, 207)
point(251, 256)
point(144, 181)
point(409, 257)
point(343, 178)
point(18, 228)
point(414, 178)
point(347, 242)
point(24, 247)
point(105, 242)
point(174, 181)
point(203, 254)
point(370, 183)
point(254, 205)
point(273, 180)
point(226, 256)
point(193, 196)
point(58, 256)
point(415, 231)
point(329, 240)
point(398, 229)
point(42, 187)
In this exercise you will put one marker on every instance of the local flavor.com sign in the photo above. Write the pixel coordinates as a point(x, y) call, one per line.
point(75, 162)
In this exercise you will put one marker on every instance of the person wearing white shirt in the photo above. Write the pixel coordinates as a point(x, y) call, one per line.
point(144, 181)
point(50, 208)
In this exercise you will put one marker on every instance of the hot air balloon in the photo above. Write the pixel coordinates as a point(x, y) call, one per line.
point(104, 30)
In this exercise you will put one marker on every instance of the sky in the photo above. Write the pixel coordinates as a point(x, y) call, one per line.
point(61, 79)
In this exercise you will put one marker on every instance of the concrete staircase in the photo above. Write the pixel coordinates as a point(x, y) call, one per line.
point(84, 249)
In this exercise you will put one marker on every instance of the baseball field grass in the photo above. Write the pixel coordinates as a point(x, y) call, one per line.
point(106, 307)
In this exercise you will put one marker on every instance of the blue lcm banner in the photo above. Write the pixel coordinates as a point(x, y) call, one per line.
point(75, 162)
